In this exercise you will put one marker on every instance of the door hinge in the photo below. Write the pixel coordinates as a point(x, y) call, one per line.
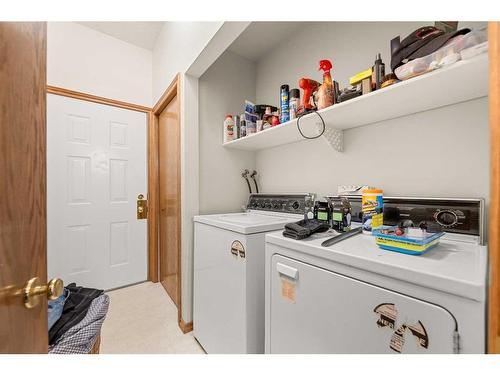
point(456, 342)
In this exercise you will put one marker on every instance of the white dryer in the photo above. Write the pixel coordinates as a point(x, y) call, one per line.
point(229, 271)
point(354, 297)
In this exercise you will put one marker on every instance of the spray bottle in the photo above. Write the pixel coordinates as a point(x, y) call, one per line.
point(325, 95)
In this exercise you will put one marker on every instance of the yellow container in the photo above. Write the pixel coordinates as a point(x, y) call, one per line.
point(372, 208)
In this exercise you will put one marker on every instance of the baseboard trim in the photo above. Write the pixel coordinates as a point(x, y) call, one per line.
point(185, 327)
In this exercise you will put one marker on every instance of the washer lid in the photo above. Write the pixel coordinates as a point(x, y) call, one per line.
point(246, 222)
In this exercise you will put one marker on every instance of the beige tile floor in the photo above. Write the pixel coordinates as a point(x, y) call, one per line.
point(142, 319)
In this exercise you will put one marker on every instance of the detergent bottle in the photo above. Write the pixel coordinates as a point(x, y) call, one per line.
point(325, 94)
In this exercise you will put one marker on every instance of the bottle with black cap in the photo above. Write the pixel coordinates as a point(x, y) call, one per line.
point(378, 72)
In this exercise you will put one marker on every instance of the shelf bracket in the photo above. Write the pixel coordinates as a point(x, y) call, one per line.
point(334, 136)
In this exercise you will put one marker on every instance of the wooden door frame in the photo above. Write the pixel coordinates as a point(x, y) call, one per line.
point(152, 152)
point(494, 221)
point(172, 91)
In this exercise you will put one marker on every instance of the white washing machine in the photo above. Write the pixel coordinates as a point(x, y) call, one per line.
point(229, 271)
point(354, 297)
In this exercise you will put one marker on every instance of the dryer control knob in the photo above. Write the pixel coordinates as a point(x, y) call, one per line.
point(446, 218)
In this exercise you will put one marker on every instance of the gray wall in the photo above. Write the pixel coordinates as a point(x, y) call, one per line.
point(444, 152)
point(223, 89)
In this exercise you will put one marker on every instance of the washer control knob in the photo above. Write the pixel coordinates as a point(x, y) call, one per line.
point(295, 205)
point(446, 218)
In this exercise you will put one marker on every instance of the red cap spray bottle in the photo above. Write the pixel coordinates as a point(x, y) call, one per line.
point(325, 94)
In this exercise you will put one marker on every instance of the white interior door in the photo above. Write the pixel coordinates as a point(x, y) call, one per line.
point(96, 167)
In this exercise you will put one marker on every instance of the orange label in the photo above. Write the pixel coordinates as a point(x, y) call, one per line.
point(288, 289)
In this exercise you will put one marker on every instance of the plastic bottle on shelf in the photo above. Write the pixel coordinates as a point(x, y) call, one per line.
point(251, 128)
point(236, 131)
point(378, 74)
point(260, 125)
point(243, 126)
point(228, 128)
point(294, 103)
point(325, 93)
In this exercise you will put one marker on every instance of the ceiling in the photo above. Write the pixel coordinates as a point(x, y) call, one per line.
point(141, 34)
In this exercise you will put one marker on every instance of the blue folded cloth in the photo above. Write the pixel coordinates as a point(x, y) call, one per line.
point(56, 308)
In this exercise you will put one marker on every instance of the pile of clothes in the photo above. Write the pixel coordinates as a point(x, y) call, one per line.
point(75, 319)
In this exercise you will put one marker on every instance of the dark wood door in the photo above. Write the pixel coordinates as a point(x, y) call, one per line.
point(169, 168)
point(22, 184)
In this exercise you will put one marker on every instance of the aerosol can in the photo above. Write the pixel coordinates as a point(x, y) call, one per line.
point(284, 103)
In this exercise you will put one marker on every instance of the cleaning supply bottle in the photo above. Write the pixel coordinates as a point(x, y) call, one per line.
point(236, 131)
point(294, 103)
point(378, 72)
point(243, 126)
point(325, 92)
point(228, 128)
point(284, 103)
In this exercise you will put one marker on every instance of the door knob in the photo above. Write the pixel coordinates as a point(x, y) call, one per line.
point(34, 290)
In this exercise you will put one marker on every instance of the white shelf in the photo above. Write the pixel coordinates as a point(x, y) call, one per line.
point(460, 82)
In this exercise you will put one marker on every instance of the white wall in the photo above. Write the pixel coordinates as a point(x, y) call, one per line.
point(176, 48)
point(222, 90)
point(189, 187)
point(82, 59)
point(211, 175)
point(351, 46)
point(443, 152)
point(190, 48)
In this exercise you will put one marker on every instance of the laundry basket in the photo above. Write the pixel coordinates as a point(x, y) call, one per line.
point(97, 345)
point(85, 336)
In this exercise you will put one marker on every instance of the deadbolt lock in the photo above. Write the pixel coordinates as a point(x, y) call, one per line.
point(142, 207)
